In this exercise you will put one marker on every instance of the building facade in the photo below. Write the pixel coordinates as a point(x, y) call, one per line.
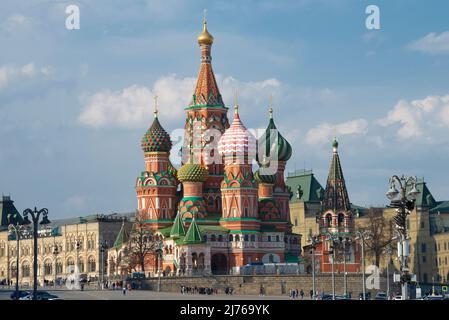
point(61, 246)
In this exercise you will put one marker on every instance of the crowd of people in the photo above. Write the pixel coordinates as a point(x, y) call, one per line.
point(294, 293)
point(203, 290)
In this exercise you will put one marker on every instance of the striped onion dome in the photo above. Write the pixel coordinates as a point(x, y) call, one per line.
point(156, 139)
point(192, 172)
point(237, 140)
point(264, 178)
point(272, 149)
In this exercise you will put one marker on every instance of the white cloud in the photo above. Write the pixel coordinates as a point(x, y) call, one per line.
point(432, 43)
point(133, 106)
point(15, 22)
point(10, 73)
point(418, 118)
point(324, 132)
point(75, 202)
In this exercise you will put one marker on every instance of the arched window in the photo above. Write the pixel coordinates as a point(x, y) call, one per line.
point(253, 237)
point(47, 268)
point(70, 265)
point(25, 269)
point(91, 264)
point(277, 238)
point(59, 267)
point(341, 219)
point(220, 238)
point(237, 238)
point(230, 237)
point(80, 265)
point(246, 237)
point(328, 220)
point(213, 238)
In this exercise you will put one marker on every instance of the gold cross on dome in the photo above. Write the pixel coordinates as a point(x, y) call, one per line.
point(155, 105)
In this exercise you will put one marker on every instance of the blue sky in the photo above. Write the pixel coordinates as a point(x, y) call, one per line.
point(75, 104)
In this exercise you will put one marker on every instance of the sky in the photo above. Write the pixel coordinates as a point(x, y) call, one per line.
point(74, 104)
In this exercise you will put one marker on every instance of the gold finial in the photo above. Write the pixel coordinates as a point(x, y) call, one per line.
point(155, 106)
point(236, 102)
point(270, 109)
point(205, 38)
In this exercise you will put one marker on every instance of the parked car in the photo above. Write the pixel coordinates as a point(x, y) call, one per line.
point(398, 297)
point(367, 296)
point(20, 294)
point(324, 296)
point(342, 297)
point(435, 297)
point(41, 295)
point(381, 296)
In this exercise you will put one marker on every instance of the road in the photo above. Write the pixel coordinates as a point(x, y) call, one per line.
point(142, 295)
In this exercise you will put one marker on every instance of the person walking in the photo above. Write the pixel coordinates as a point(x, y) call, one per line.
point(124, 290)
point(311, 293)
point(301, 293)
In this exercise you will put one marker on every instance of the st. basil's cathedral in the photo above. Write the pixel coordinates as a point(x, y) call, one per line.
point(214, 215)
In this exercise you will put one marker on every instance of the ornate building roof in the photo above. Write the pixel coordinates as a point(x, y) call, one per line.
point(177, 230)
point(206, 91)
point(193, 235)
point(335, 195)
point(122, 237)
point(274, 147)
point(264, 178)
point(192, 172)
point(156, 139)
point(237, 140)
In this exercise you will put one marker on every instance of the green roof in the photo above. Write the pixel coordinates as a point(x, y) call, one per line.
point(193, 235)
point(122, 237)
point(310, 190)
point(6, 208)
point(442, 207)
point(292, 258)
point(267, 228)
point(425, 198)
point(206, 228)
point(177, 230)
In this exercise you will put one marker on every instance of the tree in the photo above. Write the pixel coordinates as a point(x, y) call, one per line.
point(142, 242)
point(380, 234)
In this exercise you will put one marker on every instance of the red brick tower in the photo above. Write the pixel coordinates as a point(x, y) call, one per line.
point(156, 186)
point(206, 121)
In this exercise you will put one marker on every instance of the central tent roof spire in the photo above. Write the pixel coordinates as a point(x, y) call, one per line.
point(206, 91)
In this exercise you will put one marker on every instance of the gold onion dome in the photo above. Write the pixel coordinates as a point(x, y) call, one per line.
point(205, 38)
point(192, 172)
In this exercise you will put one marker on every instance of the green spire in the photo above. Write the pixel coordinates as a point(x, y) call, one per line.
point(177, 230)
point(122, 236)
point(193, 234)
point(335, 144)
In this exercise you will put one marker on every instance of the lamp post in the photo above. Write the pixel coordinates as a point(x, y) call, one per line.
point(314, 239)
point(388, 251)
point(362, 235)
point(103, 247)
point(333, 238)
point(55, 255)
point(17, 228)
point(35, 216)
point(345, 241)
point(404, 206)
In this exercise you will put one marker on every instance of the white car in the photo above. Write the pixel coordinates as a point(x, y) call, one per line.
point(398, 297)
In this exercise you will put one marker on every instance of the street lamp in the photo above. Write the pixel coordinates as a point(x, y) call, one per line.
point(314, 239)
point(17, 228)
point(388, 251)
point(55, 255)
point(103, 247)
point(35, 215)
point(404, 206)
point(362, 235)
point(345, 241)
point(333, 238)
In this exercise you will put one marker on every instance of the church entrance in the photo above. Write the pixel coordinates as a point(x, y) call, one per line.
point(219, 264)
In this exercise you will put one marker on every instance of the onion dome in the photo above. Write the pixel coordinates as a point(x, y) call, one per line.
point(156, 139)
point(205, 38)
point(264, 178)
point(335, 145)
point(237, 140)
point(192, 172)
point(280, 150)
